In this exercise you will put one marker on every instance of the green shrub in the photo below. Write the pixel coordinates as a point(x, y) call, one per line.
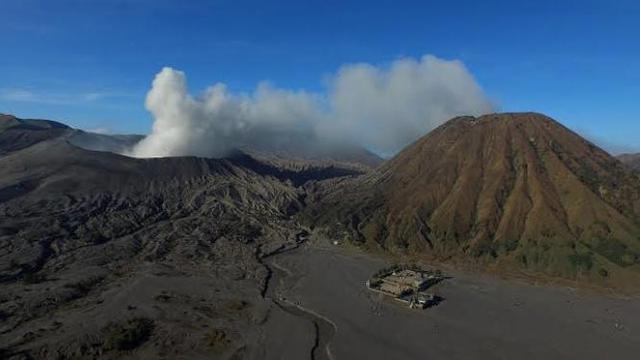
point(399, 267)
point(616, 252)
point(603, 272)
point(581, 261)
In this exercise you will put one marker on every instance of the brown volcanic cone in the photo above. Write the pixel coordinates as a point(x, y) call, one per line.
point(511, 189)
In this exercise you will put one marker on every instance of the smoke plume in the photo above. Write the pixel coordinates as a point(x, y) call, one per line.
point(382, 109)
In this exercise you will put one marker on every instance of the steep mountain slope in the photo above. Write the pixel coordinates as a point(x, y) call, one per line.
point(631, 160)
point(517, 190)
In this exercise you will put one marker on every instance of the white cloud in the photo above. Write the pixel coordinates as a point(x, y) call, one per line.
point(390, 108)
point(101, 131)
point(219, 121)
point(378, 108)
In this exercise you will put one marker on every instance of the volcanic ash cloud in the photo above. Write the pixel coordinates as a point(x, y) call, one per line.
point(379, 108)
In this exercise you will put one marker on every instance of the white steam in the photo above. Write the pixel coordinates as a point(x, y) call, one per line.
point(218, 121)
point(382, 109)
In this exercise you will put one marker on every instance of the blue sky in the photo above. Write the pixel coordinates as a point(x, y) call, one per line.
point(90, 63)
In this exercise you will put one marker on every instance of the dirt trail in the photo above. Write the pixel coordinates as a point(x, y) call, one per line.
point(281, 278)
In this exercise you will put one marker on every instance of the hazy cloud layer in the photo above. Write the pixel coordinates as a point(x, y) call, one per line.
point(383, 109)
point(54, 98)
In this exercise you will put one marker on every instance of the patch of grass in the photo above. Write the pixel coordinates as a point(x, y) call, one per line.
point(602, 226)
point(235, 305)
point(522, 258)
point(547, 233)
point(510, 245)
point(127, 335)
point(616, 252)
point(588, 176)
point(375, 228)
point(217, 338)
point(487, 249)
point(603, 272)
point(581, 261)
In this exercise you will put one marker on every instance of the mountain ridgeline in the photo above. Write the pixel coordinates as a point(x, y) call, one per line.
point(508, 191)
point(631, 160)
point(173, 246)
point(17, 134)
point(512, 191)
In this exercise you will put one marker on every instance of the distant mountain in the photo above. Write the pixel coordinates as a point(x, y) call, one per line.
point(631, 160)
point(114, 143)
point(517, 191)
point(16, 134)
point(353, 157)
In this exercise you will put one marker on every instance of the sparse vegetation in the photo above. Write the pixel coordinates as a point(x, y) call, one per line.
point(603, 272)
point(235, 305)
point(616, 252)
point(581, 261)
point(217, 338)
point(127, 335)
point(510, 245)
point(399, 267)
